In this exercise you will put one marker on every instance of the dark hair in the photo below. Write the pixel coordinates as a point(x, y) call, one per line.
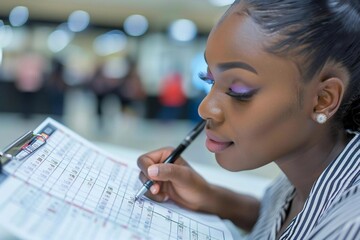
point(319, 31)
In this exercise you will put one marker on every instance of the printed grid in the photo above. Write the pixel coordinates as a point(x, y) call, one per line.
point(65, 183)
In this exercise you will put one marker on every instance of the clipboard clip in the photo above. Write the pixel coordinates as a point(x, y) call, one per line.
point(22, 147)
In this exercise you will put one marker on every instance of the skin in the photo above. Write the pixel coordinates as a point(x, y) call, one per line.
point(277, 124)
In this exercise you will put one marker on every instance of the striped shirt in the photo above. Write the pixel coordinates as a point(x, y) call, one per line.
point(331, 211)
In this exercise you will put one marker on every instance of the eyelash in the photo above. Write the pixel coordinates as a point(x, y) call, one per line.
point(206, 77)
point(245, 96)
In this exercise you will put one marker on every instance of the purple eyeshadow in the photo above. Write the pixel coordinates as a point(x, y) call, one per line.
point(240, 89)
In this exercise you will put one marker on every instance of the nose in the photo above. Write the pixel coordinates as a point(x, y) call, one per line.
point(210, 108)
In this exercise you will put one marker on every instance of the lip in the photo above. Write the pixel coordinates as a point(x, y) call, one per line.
point(216, 144)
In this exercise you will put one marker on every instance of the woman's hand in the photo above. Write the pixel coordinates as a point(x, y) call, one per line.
point(178, 181)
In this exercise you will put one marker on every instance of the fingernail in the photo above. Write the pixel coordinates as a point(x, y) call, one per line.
point(153, 171)
point(153, 189)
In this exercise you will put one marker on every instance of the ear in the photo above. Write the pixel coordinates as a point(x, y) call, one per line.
point(330, 92)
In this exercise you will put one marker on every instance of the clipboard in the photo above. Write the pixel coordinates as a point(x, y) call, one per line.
point(52, 178)
point(24, 147)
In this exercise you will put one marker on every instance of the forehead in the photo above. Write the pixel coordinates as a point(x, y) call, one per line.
point(238, 38)
point(236, 35)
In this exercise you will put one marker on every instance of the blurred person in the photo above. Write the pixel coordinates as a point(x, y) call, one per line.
point(285, 88)
point(29, 79)
point(131, 91)
point(56, 87)
point(102, 86)
point(172, 98)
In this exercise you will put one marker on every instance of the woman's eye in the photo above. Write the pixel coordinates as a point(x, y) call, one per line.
point(242, 94)
point(206, 77)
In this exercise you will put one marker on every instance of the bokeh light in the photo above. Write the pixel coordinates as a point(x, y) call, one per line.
point(136, 25)
point(78, 21)
point(19, 16)
point(6, 35)
point(58, 40)
point(110, 42)
point(183, 30)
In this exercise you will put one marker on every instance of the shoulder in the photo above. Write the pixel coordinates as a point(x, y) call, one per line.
point(281, 186)
point(342, 219)
point(280, 183)
point(276, 197)
point(352, 149)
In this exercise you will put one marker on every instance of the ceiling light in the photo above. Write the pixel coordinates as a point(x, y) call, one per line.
point(18, 16)
point(183, 30)
point(136, 25)
point(78, 21)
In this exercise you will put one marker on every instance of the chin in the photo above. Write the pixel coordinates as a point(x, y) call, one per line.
point(233, 165)
point(228, 164)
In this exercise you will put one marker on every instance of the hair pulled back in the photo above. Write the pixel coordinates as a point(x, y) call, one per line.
point(319, 31)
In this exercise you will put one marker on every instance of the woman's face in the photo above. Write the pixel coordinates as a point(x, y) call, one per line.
point(258, 110)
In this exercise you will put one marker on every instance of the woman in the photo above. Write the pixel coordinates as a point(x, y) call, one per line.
point(285, 78)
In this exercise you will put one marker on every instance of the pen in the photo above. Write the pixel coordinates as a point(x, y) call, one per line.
point(175, 154)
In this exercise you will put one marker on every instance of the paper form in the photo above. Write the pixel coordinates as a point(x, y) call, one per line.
point(70, 189)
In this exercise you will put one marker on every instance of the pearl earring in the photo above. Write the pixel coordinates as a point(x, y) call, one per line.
point(321, 118)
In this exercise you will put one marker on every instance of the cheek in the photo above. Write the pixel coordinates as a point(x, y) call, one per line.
point(265, 135)
point(274, 118)
point(273, 112)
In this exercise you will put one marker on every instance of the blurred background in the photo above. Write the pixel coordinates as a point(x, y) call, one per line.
point(114, 71)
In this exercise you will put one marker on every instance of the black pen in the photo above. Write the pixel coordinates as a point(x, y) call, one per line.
point(175, 154)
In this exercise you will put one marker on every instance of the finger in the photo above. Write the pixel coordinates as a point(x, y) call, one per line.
point(142, 177)
point(157, 156)
point(160, 197)
point(170, 172)
point(155, 188)
point(144, 162)
point(154, 191)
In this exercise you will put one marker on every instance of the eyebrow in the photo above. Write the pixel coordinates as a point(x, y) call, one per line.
point(229, 65)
